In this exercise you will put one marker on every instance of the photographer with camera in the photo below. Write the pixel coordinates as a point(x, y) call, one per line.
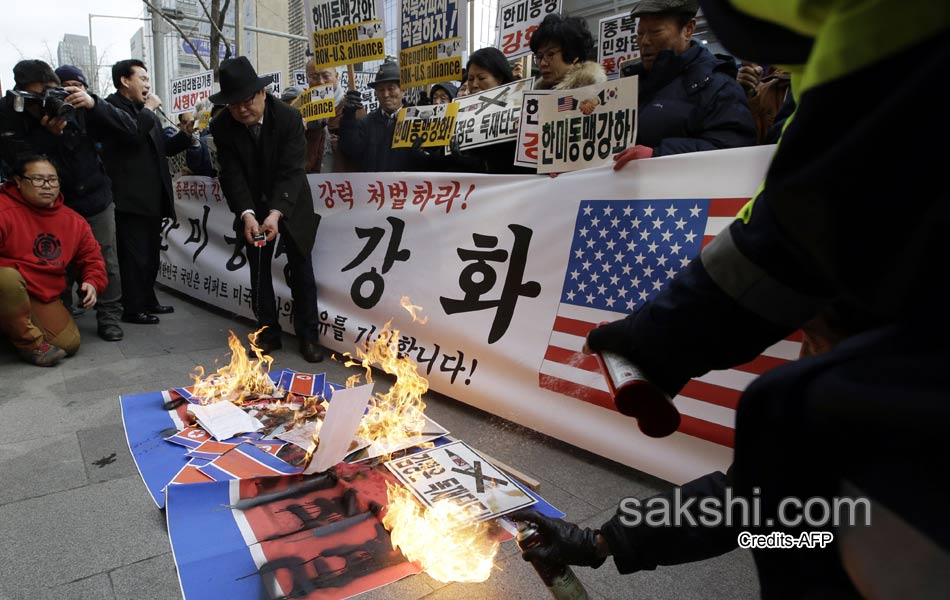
point(40, 117)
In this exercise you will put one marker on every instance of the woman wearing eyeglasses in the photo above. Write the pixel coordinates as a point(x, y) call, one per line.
point(565, 54)
point(39, 236)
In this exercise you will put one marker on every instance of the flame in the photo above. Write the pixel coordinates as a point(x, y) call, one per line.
point(242, 379)
point(397, 415)
point(412, 309)
point(441, 539)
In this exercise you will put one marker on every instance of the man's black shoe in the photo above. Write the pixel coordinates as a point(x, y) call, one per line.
point(140, 318)
point(159, 309)
point(266, 347)
point(76, 311)
point(110, 332)
point(310, 351)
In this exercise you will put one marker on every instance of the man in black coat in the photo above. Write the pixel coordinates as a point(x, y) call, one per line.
point(368, 141)
point(689, 99)
point(70, 142)
point(261, 154)
point(142, 186)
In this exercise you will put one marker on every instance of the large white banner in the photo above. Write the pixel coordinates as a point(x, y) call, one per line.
point(188, 91)
point(512, 272)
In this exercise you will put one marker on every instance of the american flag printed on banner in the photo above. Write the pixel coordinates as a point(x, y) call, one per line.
point(622, 254)
point(566, 103)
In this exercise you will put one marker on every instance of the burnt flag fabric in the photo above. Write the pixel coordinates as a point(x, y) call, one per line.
point(622, 254)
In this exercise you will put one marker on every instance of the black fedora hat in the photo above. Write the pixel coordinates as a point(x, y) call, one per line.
point(238, 80)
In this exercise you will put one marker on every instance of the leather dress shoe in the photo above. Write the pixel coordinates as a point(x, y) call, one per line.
point(266, 347)
point(110, 332)
point(310, 351)
point(140, 318)
point(159, 309)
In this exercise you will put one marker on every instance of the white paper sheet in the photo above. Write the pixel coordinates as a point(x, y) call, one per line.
point(224, 420)
point(339, 426)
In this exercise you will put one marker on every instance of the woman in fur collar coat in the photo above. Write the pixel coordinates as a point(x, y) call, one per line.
point(564, 52)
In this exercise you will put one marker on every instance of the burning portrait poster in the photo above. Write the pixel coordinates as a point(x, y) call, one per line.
point(585, 127)
point(456, 473)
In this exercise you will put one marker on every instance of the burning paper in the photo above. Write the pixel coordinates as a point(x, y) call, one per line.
point(339, 424)
point(224, 420)
point(242, 379)
point(456, 474)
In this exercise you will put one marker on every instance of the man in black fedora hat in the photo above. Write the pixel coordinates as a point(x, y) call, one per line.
point(261, 152)
point(368, 141)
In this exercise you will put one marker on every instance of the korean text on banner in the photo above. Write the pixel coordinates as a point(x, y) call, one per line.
point(277, 80)
point(617, 43)
point(529, 129)
point(317, 103)
point(345, 33)
point(435, 124)
point(431, 41)
point(517, 20)
point(491, 116)
point(586, 126)
point(188, 91)
point(299, 78)
point(361, 83)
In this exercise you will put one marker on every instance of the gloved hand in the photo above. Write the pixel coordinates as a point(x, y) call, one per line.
point(632, 153)
point(454, 148)
point(565, 543)
point(353, 100)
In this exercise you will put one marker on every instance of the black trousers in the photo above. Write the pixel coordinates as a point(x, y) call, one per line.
point(300, 279)
point(138, 239)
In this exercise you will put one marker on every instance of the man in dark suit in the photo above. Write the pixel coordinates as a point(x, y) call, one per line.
point(261, 153)
point(142, 186)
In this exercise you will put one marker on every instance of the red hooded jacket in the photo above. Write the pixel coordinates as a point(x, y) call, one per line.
point(40, 242)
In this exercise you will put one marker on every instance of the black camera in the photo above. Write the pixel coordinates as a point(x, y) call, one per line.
point(52, 101)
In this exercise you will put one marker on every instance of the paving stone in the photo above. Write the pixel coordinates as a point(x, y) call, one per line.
point(97, 587)
point(153, 578)
point(169, 368)
point(40, 466)
point(105, 453)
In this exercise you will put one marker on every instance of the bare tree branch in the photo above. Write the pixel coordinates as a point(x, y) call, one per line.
point(223, 13)
point(214, 24)
point(181, 32)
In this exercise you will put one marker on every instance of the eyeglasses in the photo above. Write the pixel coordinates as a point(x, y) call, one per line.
point(547, 56)
point(42, 181)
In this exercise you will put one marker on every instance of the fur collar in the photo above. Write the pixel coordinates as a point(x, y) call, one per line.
point(578, 76)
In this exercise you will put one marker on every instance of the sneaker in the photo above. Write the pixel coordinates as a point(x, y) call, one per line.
point(44, 355)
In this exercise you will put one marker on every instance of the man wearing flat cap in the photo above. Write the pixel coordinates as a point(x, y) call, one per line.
point(689, 99)
point(368, 141)
point(261, 149)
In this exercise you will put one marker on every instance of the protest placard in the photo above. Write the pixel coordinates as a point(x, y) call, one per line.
point(188, 91)
point(345, 33)
point(430, 41)
point(435, 124)
point(586, 126)
point(456, 473)
point(517, 20)
point(317, 103)
point(529, 129)
point(300, 78)
point(361, 81)
point(617, 43)
point(277, 78)
point(491, 116)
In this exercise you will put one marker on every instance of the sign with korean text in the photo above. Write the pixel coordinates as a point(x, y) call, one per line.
point(431, 41)
point(361, 81)
point(435, 124)
point(189, 91)
point(457, 474)
point(529, 130)
point(318, 102)
point(617, 43)
point(491, 116)
point(511, 271)
point(277, 79)
point(517, 20)
point(585, 127)
point(300, 78)
point(345, 32)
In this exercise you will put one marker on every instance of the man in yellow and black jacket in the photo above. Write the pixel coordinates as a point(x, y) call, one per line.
point(853, 212)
